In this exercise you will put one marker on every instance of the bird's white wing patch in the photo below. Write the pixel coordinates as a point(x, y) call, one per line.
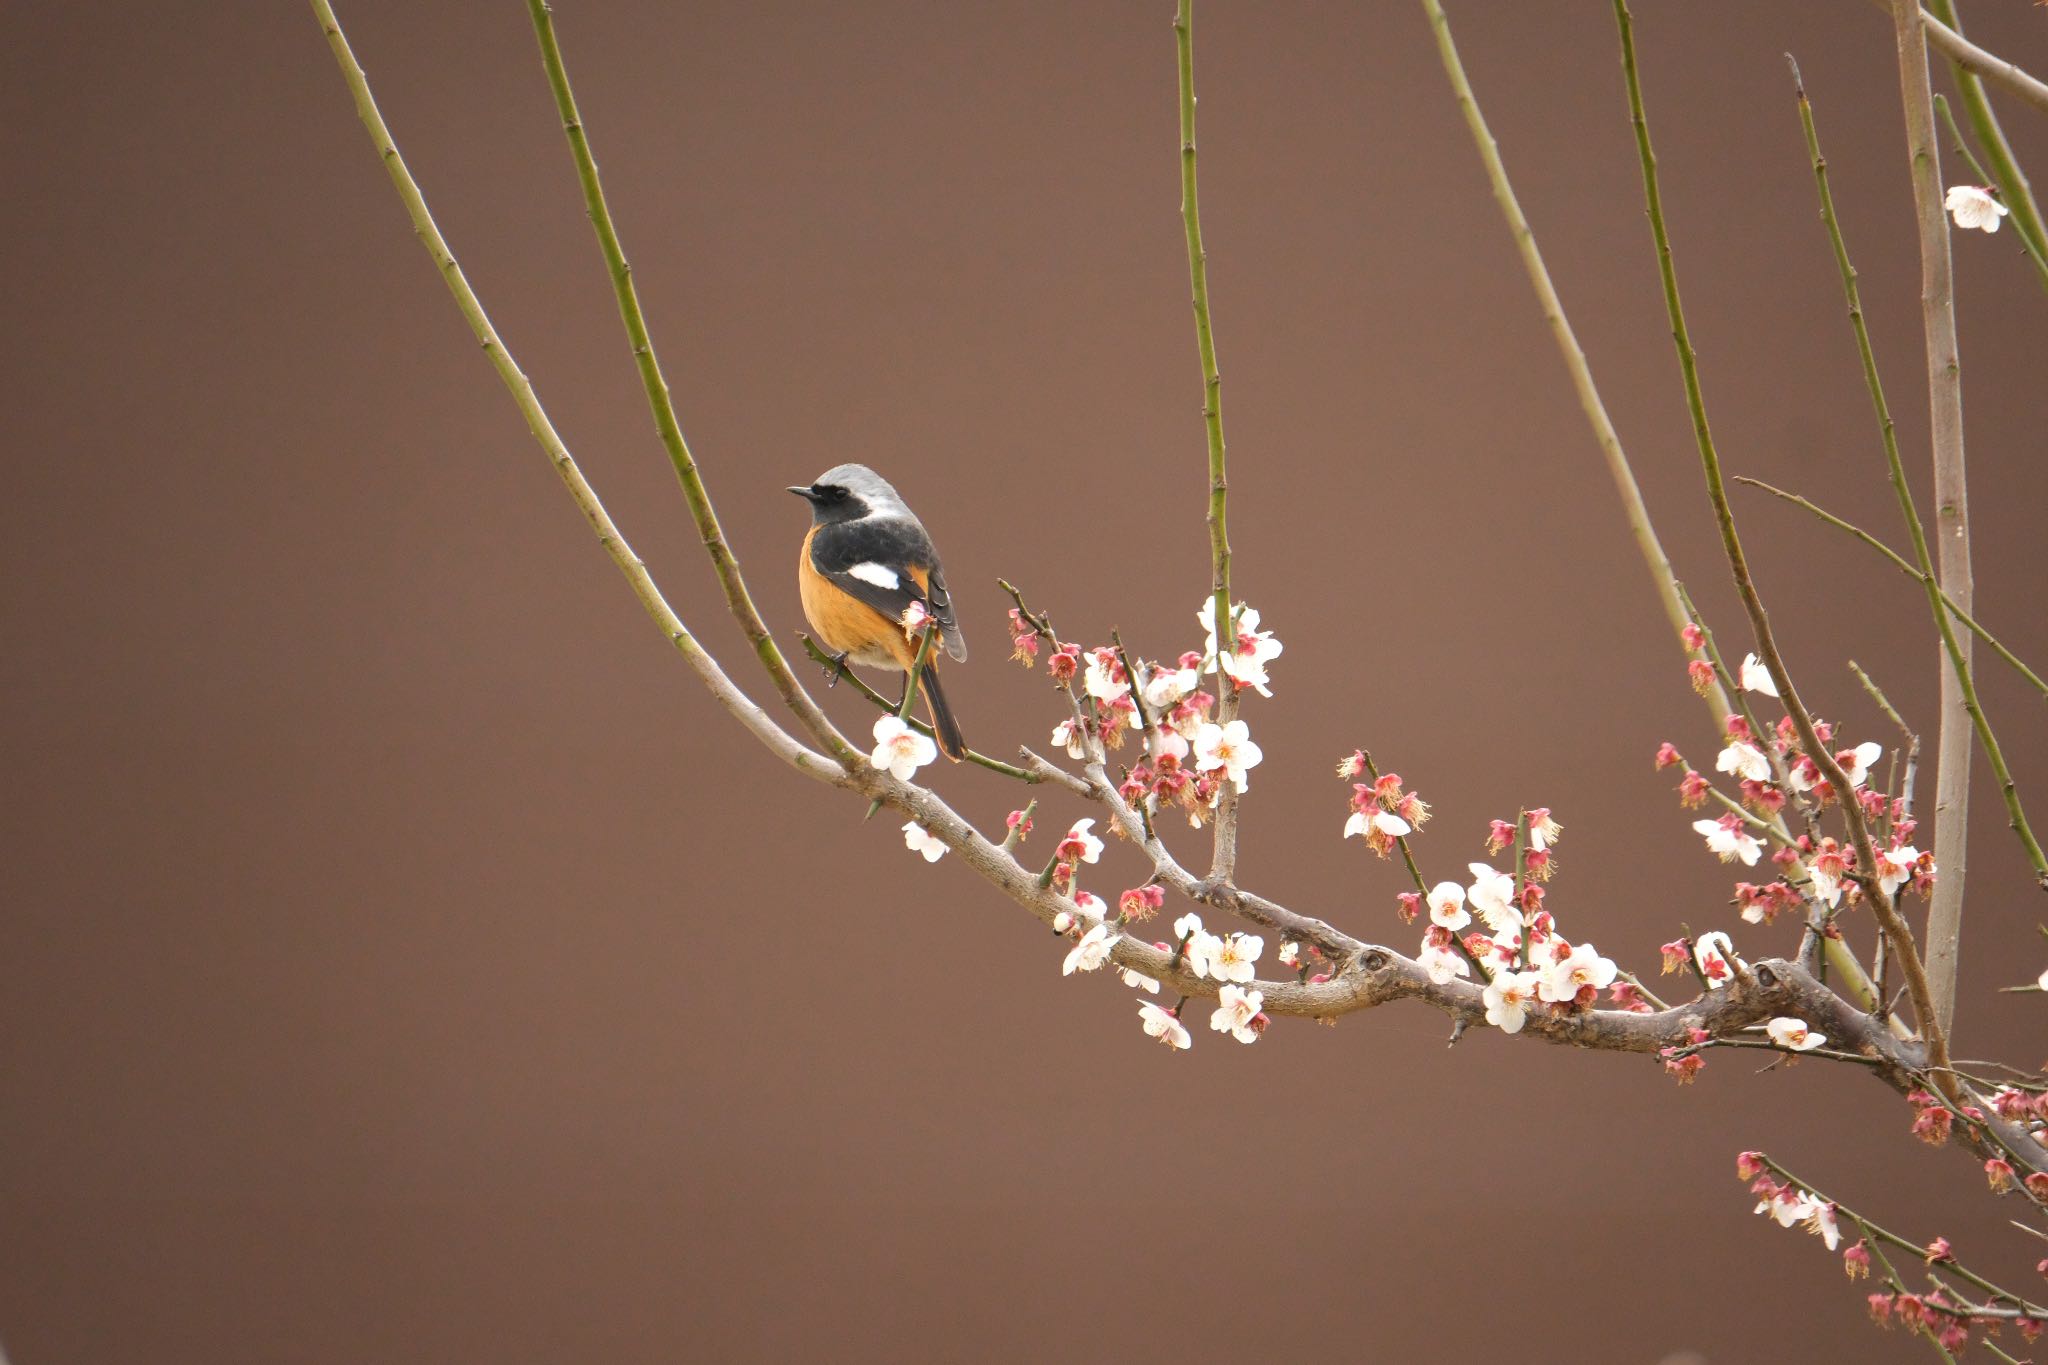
point(881, 575)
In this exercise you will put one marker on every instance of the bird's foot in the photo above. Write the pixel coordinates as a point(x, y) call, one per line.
point(836, 669)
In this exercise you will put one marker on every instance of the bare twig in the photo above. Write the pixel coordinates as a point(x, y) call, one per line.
point(728, 694)
point(1604, 435)
point(723, 561)
point(1223, 866)
point(1904, 566)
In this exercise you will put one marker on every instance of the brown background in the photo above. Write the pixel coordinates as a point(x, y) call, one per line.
point(405, 961)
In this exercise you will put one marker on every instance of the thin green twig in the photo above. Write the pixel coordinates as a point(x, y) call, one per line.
point(1904, 566)
point(1604, 435)
point(723, 561)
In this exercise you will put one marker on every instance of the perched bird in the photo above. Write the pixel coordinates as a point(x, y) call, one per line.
point(865, 561)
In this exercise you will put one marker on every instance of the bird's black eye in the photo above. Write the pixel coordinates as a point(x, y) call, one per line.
point(831, 492)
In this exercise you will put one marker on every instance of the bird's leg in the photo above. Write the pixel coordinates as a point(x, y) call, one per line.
point(836, 670)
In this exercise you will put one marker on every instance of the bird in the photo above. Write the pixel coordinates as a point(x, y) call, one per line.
point(864, 562)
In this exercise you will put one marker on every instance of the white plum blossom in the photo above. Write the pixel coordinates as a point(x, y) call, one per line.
point(1895, 867)
point(1447, 905)
point(1091, 952)
point(1236, 1007)
point(1757, 678)
point(1821, 1222)
point(1201, 951)
point(1228, 747)
point(1062, 922)
point(1382, 821)
point(1099, 680)
point(1164, 687)
point(1794, 1034)
point(1493, 896)
point(1245, 662)
point(1508, 997)
point(1856, 762)
point(1543, 831)
point(1232, 957)
point(1788, 1206)
point(1713, 953)
point(1187, 925)
point(1139, 981)
point(1441, 963)
point(1166, 740)
point(1161, 1024)
point(900, 750)
point(1973, 207)
point(1289, 954)
point(2043, 982)
point(1583, 966)
point(1741, 759)
point(1730, 841)
point(1091, 847)
point(1091, 905)
point(1071, 737)
point(918, 839)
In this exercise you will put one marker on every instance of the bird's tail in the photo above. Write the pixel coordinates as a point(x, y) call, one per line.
point(944, 727)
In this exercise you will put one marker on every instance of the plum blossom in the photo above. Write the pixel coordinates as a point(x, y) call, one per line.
point(1062, 921)
point(1744, 760)
point(1973, 207)
point(1493, 896)
point(1228, 747)
point(1164, 687)
point(1091, 952)
point(1714, 953)
point(1788, 1205)
point(1757, 678)
point(1441, 963)
point(1163, 1025)
point(1794, 1035)
point(1856, 762)
point(1508, 997)
point(1381, 822)
point(1104, 679)
point(1447, 905)
point(1830, 865)
point(918, 839)
point(1583, 966)
point(1245, 662)
point(1138, 981)
point(1080, 844)
point(1071, 737)
point(1236, 1008)
point(1232, 957)
point(1895, 867)
point(1543, 830)
point(1728, 838)
point(1289, 954)
point(900, 750)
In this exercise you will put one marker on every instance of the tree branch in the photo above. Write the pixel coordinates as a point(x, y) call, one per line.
point(1223, 866)
point(723, 561)
point(1905, 567)
point(2011, 180)
point(727, 693)
point(1945, 419)
point(1633, 507)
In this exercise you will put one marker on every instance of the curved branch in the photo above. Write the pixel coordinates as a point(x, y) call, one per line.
point(723, 561)
point(728, 694)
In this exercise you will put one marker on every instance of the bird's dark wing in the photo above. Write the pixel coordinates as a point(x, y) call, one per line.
point(879, 561)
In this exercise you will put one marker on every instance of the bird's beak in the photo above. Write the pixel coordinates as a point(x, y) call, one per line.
point(800, 491)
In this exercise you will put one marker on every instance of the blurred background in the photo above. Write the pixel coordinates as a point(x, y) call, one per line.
point(404, 959)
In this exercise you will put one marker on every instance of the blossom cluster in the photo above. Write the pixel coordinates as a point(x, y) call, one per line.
point(1191, 754)
point(1940, 1312)
point(1769, 769)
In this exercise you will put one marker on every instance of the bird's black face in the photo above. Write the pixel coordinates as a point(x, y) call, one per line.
point(830, 502)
